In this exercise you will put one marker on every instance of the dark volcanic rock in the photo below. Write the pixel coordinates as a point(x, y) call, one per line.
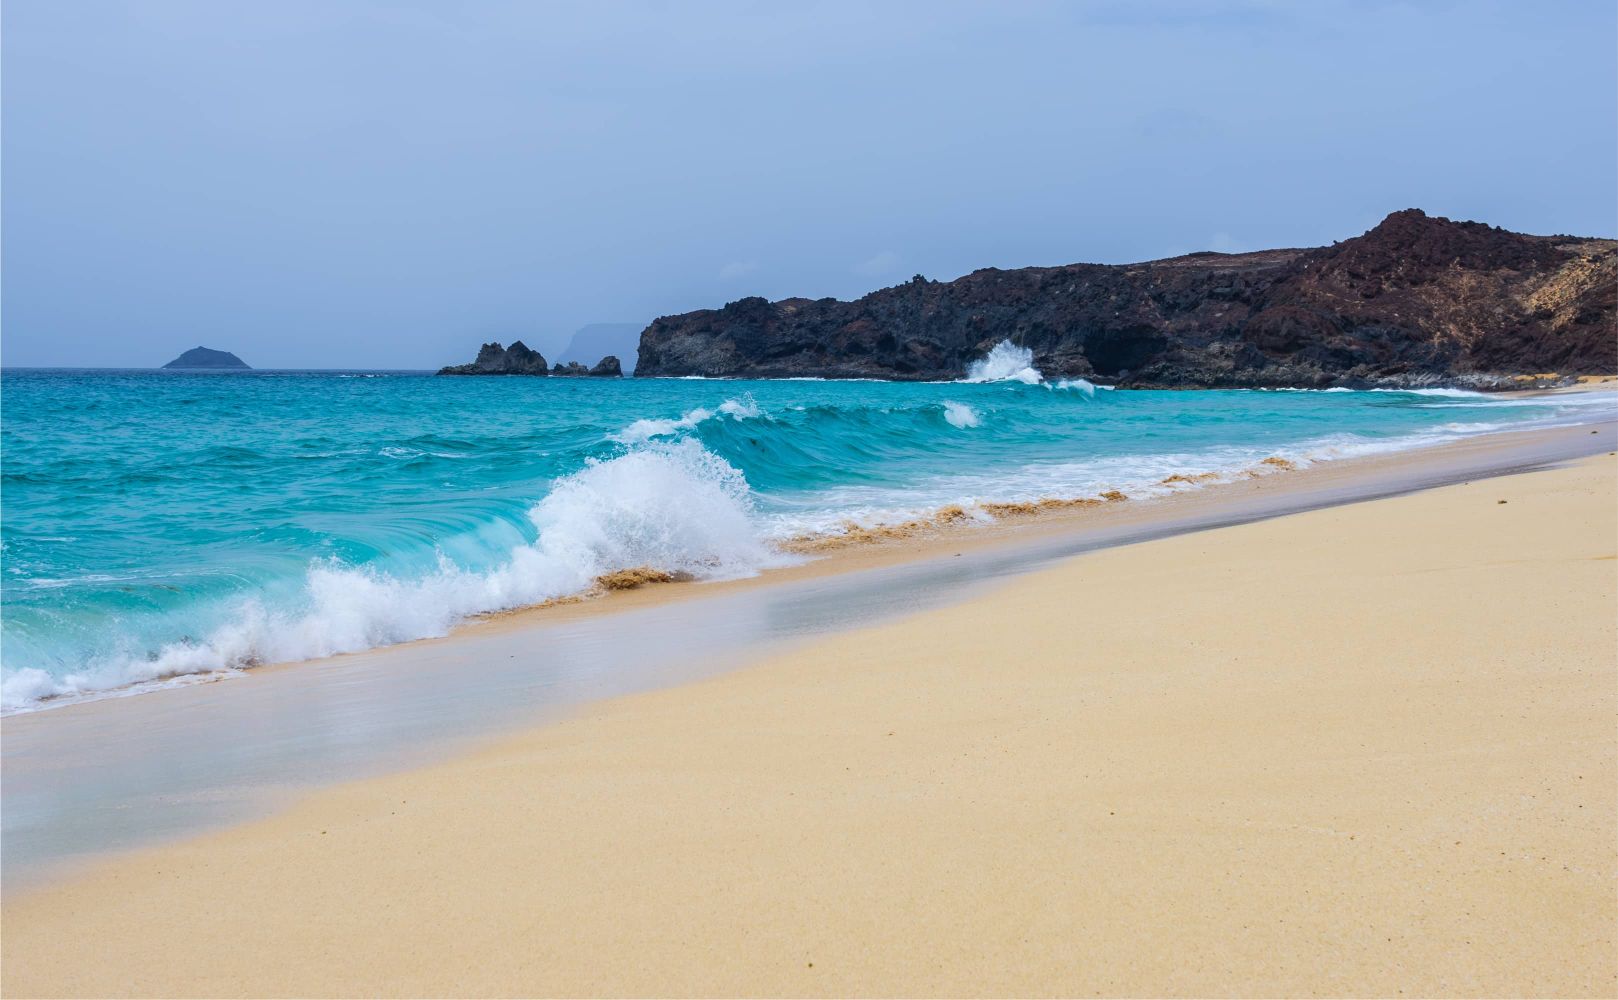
point(204, 357)
point(1415, 301)
point(518, 359)
point(607, 367)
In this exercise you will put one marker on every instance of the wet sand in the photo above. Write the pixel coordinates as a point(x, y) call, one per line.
point(1368, 749)
point(88, 779)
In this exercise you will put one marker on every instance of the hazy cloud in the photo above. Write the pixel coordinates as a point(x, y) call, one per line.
point(736, 269)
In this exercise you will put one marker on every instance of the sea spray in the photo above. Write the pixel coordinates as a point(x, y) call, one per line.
point(960, 415)
point(1005, 362)
point(678, 508)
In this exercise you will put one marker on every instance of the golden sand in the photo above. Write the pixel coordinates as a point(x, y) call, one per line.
point(1362, 750)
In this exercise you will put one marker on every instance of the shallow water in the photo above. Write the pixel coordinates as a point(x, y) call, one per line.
point(114, 775)
point(168, 524)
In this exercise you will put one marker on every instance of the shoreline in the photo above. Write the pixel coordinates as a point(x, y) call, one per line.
point(928, 538)
point(200, 756)
point(1363, 748)
point(863, 547)
point(886, 546)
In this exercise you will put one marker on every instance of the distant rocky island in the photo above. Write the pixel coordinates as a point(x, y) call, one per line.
point(206, 357)
point(1418, 300)
point(520, 359)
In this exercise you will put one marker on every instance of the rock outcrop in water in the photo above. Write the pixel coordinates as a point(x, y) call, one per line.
point(207, 357)
point(520, 359)
point(1416, 301)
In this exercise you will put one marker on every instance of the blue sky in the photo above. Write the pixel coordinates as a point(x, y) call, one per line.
point(333, 184)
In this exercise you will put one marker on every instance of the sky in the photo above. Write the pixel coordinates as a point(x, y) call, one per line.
point(345, 183)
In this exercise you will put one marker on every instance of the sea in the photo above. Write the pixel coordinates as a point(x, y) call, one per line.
point(163, 527)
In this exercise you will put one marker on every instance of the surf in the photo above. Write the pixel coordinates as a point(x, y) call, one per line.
point(324, 514)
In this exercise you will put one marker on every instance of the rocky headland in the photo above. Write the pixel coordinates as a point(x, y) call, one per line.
point(1418, 300)
point(520, 359)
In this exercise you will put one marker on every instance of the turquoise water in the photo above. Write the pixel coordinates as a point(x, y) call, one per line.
point(161, 525)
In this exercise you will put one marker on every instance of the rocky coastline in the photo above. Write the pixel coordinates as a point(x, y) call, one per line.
point(1416, 301)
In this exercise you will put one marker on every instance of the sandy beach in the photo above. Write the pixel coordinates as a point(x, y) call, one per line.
point(1361, 750)
point(887, 500)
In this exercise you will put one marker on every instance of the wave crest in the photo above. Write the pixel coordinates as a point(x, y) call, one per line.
point(675, 509)
point(647, 428)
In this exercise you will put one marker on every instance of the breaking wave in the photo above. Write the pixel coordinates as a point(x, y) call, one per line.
point(1006, 362)
point(1083, 385)
point(646, 429)
point(673, 507)
point(353, 521)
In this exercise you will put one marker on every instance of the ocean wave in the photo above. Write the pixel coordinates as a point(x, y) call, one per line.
point(336, 530)
point(1141, 476)
point(651, 427)
point(1082, 385)
point(674, 507)
point(1005, 362)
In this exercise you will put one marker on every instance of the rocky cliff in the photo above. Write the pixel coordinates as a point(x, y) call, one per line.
point(1417, 300)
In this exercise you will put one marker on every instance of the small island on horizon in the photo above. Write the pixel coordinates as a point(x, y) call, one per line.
point(207, 357)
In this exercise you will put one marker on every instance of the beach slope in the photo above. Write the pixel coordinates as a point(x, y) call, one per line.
point(1362, 750)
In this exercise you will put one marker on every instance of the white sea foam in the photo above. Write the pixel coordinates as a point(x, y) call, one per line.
point(745, 408)
point(1569, 401)
point(1459, 393)
point(1083, 385)
point(1139, 476)
point(1344, 388)
point(1005, 363)
point(671, 506)
point(647, 428)
point(651, 427)
point(960, 415)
